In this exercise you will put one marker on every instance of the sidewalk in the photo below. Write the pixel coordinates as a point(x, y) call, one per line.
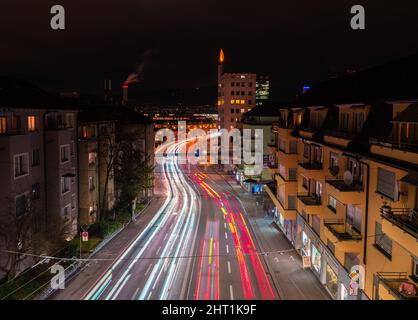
point(292, 281)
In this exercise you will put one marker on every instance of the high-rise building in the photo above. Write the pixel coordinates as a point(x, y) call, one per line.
point(236, 95)
point(262, 91)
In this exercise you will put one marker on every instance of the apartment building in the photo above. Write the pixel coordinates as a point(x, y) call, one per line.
point(96, 138)
point(259, 118)
point(37, 168)
point(345, 191)
point(236, 95)
point(102, 130)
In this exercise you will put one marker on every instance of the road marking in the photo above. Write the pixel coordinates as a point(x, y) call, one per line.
point(121, 286)
point(227, 249)
point(158, 251)
point(225, 225)
point(135, 293)
point(148, 269)
point(210, 250)
point(226, 236)
point(229, 267)
point(165, 237)
point(231, 292)
point(149, 296)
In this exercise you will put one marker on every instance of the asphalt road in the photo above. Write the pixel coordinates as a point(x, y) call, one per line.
point(196, 246)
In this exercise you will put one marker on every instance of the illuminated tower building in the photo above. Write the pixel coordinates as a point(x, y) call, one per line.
point(236, 95)
point(262, 91)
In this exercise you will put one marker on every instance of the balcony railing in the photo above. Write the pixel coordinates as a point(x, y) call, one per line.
point(309, 199)
point(311, 165)
point(342, 230)
point(399, 284)
point(339, 184)
point(391, 143)
point(406, 219)
point(12, 132)
point(340, 134)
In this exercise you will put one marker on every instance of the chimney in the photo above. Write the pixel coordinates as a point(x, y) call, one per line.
point(125, 89)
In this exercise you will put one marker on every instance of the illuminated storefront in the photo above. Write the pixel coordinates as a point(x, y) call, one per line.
point(324, 265)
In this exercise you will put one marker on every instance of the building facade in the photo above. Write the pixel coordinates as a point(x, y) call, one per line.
point(346, 183)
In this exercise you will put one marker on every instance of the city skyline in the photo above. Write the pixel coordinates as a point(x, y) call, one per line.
point(293, 47)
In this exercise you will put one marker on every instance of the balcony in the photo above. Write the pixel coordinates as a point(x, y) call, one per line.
point(12, 132)
point(395, 144)
point(310, 204)
point(341, 230)
point(346, 193)
point(401, 225)
point(310, 165)
point(345, 237)
point(395, 149)
point(398, 285)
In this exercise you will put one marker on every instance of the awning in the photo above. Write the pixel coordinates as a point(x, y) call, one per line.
point(411, 178)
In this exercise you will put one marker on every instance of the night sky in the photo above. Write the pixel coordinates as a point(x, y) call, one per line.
point(296, 42)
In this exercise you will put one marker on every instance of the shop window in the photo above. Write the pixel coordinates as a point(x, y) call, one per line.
point(331, 281)
point(316, 259)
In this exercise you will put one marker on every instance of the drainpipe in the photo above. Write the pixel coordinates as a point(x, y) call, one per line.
point(367, 211)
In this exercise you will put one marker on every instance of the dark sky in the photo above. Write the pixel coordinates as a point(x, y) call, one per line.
point(296, 42)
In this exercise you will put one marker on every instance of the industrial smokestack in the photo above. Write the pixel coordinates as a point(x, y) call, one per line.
point(125, 98)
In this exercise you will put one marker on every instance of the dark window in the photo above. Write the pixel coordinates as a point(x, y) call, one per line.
point(21, 205)
point(351, 259)
point(386, 183)
point(381, 240)
point(306, 151)
point(36, 160)
point(293, 147)
point(316, 223)
point(291, 202)
point(292, 174)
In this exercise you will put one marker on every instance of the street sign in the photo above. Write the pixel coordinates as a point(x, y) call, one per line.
point(85, 236)
point(306, 260)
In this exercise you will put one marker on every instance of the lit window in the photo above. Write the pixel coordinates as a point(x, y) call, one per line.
point(242, 110)
point(242, 101)
point(31, 123)
point(232, 101)
point(237, 101)
point(3, 125)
